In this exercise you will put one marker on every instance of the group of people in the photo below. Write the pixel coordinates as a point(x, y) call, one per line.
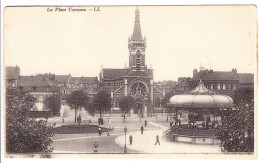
point(177, 123)
point(205, 125)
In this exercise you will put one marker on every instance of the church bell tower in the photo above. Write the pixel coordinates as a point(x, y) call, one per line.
point(137, 45)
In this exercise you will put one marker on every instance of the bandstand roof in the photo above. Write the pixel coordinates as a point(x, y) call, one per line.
point(201, 97)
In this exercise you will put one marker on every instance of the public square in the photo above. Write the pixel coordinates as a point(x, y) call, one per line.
point(83, 143)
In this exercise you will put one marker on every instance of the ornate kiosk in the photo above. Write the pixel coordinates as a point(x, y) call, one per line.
point(200, 113)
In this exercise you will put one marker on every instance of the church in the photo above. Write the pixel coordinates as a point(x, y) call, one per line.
point(135, 80)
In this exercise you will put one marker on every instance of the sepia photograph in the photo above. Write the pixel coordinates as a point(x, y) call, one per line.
point(126, 81)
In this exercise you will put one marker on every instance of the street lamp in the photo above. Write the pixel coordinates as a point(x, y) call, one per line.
point(125, 130)
point(108, 126)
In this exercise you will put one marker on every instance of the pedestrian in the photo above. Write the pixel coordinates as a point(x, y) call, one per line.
point(130, 139)
point(176, 122)
point(207, 125)
point(179, 122)
point(79, 119)
point(157, 140)
point(99, 131)
point(145, 123)
point(142, 130)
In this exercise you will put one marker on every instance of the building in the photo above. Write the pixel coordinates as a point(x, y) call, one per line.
point(135, 80)
point(68, 84)
point(183, 84)
point(166, 85)
point(40, 87)
point(246, 80)
point(11, 76)
point(223, 82)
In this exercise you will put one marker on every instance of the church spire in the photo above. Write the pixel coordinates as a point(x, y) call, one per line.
point(137, 34)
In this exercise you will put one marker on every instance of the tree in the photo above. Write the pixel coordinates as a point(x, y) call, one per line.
point(102, 101)
point(237, 134)
point(91, 108)
point(243, 94)
point(53, 103)
point(166, 100)
point(23, 133)
point(126, 103)
point(76, 100)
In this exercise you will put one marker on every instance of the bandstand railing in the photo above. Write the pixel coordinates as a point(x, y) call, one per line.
point(193, 132)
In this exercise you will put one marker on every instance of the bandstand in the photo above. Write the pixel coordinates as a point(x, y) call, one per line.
point(198, 116)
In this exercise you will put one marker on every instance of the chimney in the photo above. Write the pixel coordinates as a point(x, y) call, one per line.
point(234, 70)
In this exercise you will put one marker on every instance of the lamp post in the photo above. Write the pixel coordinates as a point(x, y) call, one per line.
point(125, 130)
point(108, 126)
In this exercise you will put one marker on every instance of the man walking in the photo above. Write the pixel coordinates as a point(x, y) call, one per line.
point(142, 130)
point(157, 140)
point(130, 139)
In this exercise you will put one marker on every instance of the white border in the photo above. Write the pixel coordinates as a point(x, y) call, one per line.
point(5, 3)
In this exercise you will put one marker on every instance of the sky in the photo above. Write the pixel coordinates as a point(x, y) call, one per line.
point(179, 39)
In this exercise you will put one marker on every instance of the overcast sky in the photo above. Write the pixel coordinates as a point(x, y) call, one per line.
point(179, 39)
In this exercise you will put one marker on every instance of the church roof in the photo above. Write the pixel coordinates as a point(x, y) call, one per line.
point(215, 75)
point(246, 78)
point(137, 34)
point(137, 73)
point(112, 74)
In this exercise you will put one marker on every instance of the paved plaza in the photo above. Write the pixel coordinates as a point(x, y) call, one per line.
point(84, 143)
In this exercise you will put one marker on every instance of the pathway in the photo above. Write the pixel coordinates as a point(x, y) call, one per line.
point(145, 143)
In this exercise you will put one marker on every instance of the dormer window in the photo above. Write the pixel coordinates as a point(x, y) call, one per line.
point(13, 84)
